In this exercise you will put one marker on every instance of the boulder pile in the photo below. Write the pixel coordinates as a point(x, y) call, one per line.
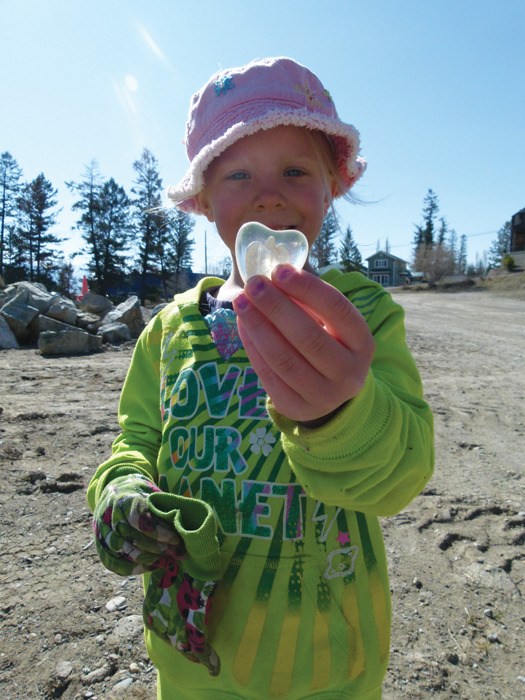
point(30, 315)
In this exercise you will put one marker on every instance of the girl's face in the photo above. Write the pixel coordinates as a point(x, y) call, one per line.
point(273, 177)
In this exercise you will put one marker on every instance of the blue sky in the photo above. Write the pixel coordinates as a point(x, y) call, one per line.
point(436, 89)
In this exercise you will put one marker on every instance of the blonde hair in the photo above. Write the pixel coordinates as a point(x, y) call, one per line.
point(324, 152)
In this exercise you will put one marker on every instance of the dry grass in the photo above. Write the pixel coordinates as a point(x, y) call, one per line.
point(511, 284)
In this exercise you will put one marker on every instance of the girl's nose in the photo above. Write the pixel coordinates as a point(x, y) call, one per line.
point(269, 197)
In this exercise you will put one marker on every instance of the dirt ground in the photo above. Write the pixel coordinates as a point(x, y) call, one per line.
point(456, 553)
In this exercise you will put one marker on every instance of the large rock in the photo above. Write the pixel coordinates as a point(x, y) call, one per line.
point(30, 311)
point(89, 322)
point(64, 310)
point(19, 315)
point(36, 295)
point(95, 304)
point(130, 313)
point(74, 342)
point(44, 323)
point(114, 333)
point(8, 339)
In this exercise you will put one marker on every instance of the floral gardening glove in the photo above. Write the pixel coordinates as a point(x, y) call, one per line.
point(130, 537)
point(138, 529)
point(178, 600)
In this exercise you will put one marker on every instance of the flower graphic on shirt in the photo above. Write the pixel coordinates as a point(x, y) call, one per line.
point(261, 441)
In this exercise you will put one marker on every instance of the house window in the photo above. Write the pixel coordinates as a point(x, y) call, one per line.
point(381, 262)
point(382, 279)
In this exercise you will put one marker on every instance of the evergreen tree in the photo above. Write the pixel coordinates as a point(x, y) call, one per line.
point(443, 231)
point(462, 256)
point(148, 217)
point(105, 222)
point(10, 174)
point(179, 244)
point(500, 246)
point(114, 224)
point(323, 251)
point(453, 247)
point(35, 203)
point(424, 234)
point(88, 204)
point(66, 279)
point(349, 254)
point(14, 253)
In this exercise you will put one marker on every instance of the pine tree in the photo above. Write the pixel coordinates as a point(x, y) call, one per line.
point(323, 251)
point(10, 174)
point(462, 256)
point(349, 254)
point(443, 231)
point(179, 243)
point(66, 279)
point(453, 247)
point(148, 217)
point(500, 246)
point(105, 222)
point(35, 203)
point(14, 253)
point(114, 225)
point(88, 204)
point(424, 234)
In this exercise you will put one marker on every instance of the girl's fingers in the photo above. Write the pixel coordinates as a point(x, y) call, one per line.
point(297, 389)
point(285, 398)
point(324, 302)
point(304, 368)
point(329, 333)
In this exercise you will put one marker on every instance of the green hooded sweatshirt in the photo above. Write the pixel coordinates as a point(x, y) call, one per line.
point(302, 607)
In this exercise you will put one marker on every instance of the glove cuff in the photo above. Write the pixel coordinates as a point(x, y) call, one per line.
point(194, 520)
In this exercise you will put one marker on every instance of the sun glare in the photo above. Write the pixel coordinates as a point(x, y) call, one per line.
point(131, 83)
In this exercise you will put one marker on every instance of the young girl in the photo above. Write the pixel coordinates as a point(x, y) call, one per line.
point(266, 425)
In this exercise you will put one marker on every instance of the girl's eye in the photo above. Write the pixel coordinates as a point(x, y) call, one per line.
point(294, 172)
point(238, 176)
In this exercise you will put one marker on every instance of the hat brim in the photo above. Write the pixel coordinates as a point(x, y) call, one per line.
point(345, 139)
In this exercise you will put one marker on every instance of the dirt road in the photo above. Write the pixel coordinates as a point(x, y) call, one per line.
point(456, 554)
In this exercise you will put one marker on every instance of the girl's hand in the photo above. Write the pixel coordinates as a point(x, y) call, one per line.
point(130, 537)
point(309, 346)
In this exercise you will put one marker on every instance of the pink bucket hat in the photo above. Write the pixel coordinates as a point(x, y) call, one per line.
point(263, 94)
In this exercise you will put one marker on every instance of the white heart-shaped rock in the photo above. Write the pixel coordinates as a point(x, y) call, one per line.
point(259, 249)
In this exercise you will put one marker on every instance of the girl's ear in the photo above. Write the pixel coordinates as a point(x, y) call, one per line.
point(205, 206)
